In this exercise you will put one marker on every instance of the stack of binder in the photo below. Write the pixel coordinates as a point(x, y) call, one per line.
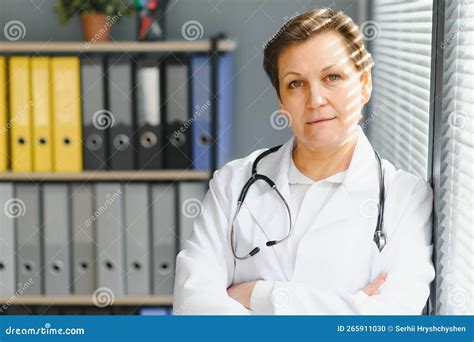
point(61, 239)
point(68, 114)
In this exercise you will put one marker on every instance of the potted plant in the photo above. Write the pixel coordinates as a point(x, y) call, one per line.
point(97, 16)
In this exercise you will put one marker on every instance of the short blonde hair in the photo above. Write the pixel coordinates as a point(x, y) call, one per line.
point(304, 26)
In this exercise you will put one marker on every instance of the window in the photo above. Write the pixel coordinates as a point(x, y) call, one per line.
point(398, 123)
point(454, 144)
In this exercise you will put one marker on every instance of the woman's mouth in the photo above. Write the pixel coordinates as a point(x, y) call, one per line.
point(320, 121)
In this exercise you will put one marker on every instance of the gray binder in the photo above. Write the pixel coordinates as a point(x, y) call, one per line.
point(7, 240)
point(83, 245)
point(178, 150)
point(93, 106)
point(28, 242)
point(137, 223)
point(164, 237)
point(57, 270)
point(120, 92)
point(191, 195)
point(109, 232)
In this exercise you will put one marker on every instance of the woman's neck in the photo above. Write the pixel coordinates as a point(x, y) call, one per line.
point(323, 163)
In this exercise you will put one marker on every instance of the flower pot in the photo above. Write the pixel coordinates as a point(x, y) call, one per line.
point(95, 28)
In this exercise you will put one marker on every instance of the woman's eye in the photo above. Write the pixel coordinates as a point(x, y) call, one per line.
point(295, 84)
point(334, 77)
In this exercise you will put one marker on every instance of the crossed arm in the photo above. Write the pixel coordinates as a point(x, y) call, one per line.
point(242, 292)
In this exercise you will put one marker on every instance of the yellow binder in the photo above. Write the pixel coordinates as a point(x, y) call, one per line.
point(20, 110)
point(3, 117)
point(41, 114)
point(67, 131)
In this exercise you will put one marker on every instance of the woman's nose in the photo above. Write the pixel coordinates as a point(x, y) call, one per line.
point(316, 96)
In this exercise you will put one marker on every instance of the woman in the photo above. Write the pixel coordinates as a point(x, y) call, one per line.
point(329, 261)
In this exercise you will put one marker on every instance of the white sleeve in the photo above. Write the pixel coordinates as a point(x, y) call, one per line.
point(204, 268)
point(406, 288)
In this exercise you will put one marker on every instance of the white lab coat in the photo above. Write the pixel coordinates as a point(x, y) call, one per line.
point(336, 257)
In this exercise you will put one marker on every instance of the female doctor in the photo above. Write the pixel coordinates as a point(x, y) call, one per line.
point(320, 225)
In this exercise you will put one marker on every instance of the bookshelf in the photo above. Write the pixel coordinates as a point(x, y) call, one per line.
point(198, 46)
point(213, 48)
point(146, 175)
point(86, 300)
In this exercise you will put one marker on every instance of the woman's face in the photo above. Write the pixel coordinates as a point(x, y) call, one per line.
point(318, 81)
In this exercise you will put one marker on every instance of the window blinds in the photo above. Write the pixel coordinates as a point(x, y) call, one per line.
point(455, 231)
point(398, 123)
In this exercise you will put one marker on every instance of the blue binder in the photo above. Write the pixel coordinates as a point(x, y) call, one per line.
point(201, 110)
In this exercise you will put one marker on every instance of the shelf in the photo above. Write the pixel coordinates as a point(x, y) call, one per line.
point(86, 300)
point(117, 46)
point(158, 175)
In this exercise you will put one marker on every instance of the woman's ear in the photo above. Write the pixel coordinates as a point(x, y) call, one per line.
point(366, 80)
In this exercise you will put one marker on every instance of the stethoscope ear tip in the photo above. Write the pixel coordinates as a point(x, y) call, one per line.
point(271, 243)
point(254, 251)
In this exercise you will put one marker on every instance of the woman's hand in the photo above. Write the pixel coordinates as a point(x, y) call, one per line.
point(242, 292)
point(373, 288)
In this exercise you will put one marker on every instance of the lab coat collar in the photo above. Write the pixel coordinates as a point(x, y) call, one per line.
point(361, 175)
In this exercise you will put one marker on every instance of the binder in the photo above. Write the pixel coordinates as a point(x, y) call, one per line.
point(93, 104)
point(190, 197)
point(83, 242)
point(7, 240)
point(56, 237)
point(47, 310)
point(67, 132)
point(41, 114)
point(19, 310)
point(122, 154)
point(176, 104)
point(28, 239)
point(164, 237)
point(149, 128)
point(3, 116)
point(155, 311)
point(201, 110)
point(137, 241)
point(20, 115)
point(109, 232)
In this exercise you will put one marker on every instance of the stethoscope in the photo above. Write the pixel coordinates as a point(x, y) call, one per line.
point(379, 236)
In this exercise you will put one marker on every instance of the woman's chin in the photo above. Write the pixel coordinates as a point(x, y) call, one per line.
point(320, 140)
